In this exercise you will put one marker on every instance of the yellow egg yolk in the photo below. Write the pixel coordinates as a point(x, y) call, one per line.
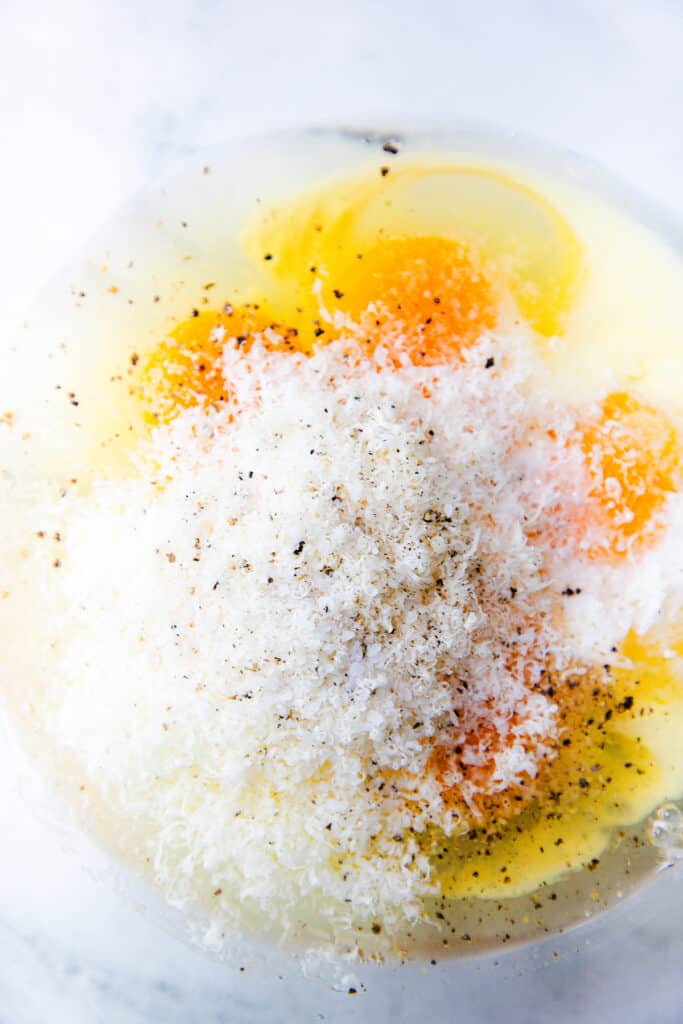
point(633, 461)
point(185, 370)
point(631, 458)
point(424, 298)
point(441, 221)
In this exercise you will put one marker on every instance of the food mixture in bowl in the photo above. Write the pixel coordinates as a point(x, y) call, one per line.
point(344, 599)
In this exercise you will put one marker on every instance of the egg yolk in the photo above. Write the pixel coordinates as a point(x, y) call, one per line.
point(408, 220)
point(422, 298)
point(632, 457)
point(466, 754)
point(186, 370)
point(470, 759)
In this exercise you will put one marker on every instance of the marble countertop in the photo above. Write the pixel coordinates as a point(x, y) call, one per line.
point(95, 98)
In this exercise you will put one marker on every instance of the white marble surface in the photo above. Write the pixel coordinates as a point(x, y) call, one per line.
point(96, 97)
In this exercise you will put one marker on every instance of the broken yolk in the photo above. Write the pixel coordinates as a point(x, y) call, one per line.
point(423, 298)
point(185, 370)
point(633, 464)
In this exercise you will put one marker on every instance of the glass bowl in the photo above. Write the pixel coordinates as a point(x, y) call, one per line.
point(98, 927)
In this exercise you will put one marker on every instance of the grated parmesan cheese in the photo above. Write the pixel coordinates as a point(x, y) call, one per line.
point(256, 642)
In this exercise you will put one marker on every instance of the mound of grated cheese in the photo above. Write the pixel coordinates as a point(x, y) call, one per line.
point(256, 641)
